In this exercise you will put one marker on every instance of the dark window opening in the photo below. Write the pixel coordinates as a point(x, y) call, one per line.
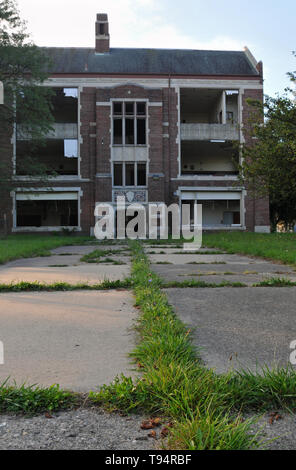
point(129, 132)
point(117, 131)
point(65, 105)
point(57, 155)
point(141, 109)
point(117, 108)
point(209, 158)
point(141, 131)
point(141, 174)
point(118, 180)
point(102, 28)
point(129, 108)
point(51, 213)
point(131, 128)
point(129, 174)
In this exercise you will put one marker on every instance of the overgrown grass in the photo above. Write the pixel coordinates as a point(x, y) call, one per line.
point(275, 282)
point(201, 284)
point(98, 256)
point(33, 399)
point(205, 407)
point(276, 246)
point(64, 286)
point(27, 246)
point(205, 252)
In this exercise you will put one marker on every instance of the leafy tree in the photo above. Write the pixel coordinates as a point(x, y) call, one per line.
point(269, 164)
point(23, 68)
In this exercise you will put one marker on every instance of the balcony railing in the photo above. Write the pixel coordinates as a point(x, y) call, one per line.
point(60, 131)
point(208, 173)
point(194, 131)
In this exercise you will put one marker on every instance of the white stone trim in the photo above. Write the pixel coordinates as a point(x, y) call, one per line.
point(205, 178)
point(250, 57)
point(45, 229)
point(155, 83)
point(1, 93)
point(262, 228)
point(154, 103)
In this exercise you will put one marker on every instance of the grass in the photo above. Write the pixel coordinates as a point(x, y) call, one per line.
point(204, 407)
point(33, 399)
point(275, 282)
point(27, 246)
point(274, 246)
point(63, 286)
point(201, 262)
point(163, 262)
point(206, 252)
point(97, 255)
point(196, 284)
point(58, 265)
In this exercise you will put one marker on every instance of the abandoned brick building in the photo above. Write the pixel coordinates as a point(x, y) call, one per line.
point(153, 124)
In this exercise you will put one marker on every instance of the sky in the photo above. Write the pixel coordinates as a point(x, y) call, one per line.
point(267, 27)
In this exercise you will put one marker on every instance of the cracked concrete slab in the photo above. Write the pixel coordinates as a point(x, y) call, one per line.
point(189, 258)
point(245, 325)
point(68, 268)
point(80, 340)
point(238, 327)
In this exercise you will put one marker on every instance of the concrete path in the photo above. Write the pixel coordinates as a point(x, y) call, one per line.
point(65, 265)
point(79, 339)
point(235, 327)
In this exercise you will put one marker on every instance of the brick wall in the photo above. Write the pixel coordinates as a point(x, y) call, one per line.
point(95, 151)
point(257, 211)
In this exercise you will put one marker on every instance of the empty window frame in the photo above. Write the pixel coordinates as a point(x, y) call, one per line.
point(129, 174)
point(129, 122)
point(65, 105)
point(48, 209)
point(57, 155)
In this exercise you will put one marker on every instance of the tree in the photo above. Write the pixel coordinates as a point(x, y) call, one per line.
point(23, 68)
point(269, 164)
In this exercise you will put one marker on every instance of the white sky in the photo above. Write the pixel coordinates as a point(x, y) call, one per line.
point(265, 26)
point(133, 23)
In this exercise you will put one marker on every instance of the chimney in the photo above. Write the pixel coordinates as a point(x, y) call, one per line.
point(102, 34)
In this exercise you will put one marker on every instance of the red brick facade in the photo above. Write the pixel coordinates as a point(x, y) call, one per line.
point(162, 95)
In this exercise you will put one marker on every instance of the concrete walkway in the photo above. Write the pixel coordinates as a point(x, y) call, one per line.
point(234, 327)
point(65, 265)
point(80, 339)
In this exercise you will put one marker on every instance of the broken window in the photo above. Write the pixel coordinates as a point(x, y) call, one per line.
point(57, 155)
point(207, 105)
point(43, 210)
point(70, 148)
point(65, 105)
point(129, 123)
point(214, 157)
point(217, 212)
point(129, 174)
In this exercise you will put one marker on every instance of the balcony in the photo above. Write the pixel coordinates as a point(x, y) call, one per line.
point(196, 131)
point(60, 131)
point(204, 158)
